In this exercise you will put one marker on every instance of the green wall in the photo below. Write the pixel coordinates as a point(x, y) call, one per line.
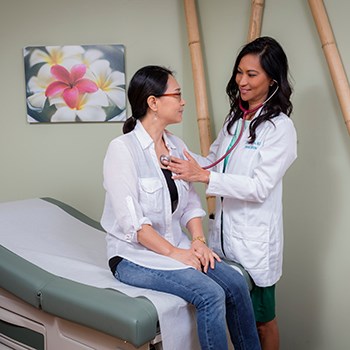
point(313, 294)
point(65, 161)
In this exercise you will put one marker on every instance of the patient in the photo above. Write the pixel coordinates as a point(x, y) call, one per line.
point(145, 213)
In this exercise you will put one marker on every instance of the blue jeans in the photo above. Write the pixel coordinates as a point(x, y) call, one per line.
point(220, 297)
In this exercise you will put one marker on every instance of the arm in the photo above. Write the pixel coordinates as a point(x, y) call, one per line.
point(192, 219)
point(277, 154)
point(213, 150)
point(190, 169)
point(149, 238)
point(120, 181)
point(207, 256)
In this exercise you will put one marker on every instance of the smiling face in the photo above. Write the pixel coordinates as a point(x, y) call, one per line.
point(171, 104)
point(252, 81)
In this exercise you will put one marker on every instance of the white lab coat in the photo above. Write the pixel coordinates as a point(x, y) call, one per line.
point(251, 188)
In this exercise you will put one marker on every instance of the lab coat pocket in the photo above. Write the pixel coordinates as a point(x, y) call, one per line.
point(250, 245)
point(151, 194)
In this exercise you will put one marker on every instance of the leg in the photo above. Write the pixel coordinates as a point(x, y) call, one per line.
point(240, 315)
point(193, 286)
point(264, 304)
point(269, 335)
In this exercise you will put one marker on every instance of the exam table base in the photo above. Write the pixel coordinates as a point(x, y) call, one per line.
point(57, 332)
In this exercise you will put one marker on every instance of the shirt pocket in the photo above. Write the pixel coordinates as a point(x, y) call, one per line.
point(250, 245)
point(151, 194)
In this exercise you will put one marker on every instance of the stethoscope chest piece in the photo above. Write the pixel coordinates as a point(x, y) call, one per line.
point(164, 159)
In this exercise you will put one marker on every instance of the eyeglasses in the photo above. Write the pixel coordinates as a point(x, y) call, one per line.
point(178, 95)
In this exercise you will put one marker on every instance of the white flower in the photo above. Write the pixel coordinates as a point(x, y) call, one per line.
point(66, 56)
point(91, 56)
point(89, 108)
point(120, 117)
point(108, 81)
point(37, 85)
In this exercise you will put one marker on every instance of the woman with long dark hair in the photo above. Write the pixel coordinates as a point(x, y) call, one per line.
point(248, 225)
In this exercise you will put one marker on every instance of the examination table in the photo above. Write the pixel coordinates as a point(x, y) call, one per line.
point(56, 291)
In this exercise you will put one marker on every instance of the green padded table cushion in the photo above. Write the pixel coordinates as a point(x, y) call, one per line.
point(133, 319)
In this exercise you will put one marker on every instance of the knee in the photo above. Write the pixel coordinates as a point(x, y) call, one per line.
point(238, 291)
point(217, 293)
point(214, 295)
point(239, 284)
point(216, 302)
point(267, 328)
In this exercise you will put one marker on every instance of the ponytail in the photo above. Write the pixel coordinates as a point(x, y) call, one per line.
point(129, 125)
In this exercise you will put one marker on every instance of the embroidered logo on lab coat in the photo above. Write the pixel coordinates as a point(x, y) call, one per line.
point(254, 145)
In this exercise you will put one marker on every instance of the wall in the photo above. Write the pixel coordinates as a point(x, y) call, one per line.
point(313, 305)
point(64, 161)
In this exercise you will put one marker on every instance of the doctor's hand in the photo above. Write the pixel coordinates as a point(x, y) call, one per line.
point(188, 170)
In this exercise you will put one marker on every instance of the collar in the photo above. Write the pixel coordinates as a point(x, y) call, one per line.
point(146, 140)
point(257, 113)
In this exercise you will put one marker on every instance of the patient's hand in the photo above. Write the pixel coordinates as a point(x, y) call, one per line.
point(187, 257)
point(206, 256)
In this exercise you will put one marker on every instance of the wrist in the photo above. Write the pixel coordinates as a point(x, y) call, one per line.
point(200, 239)
point(171, 252)
point(206, 177)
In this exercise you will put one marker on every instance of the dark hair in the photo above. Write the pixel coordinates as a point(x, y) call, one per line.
point(274, 62)
point(147, 81)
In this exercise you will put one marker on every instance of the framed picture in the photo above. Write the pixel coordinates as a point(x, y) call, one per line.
point(75, 83)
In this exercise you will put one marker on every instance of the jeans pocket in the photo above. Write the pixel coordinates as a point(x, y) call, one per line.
point(116, 274)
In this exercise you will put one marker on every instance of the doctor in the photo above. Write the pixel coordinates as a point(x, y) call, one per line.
point(248, 226)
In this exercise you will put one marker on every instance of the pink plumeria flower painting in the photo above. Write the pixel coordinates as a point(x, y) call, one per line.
point(75, 83)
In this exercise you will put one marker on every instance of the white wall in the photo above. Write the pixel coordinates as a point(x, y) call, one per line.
point(64, 161)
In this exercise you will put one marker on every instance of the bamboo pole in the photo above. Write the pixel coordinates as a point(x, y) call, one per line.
point(199, 84)
point(255, 22)
point(331, 53)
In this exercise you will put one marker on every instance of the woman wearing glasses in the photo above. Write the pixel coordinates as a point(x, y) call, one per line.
point(146, 210)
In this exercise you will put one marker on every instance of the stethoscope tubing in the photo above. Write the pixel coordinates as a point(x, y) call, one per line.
point(165, 160)
point(245, 114)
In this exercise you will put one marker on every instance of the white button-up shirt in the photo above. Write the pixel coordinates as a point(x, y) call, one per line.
point(137, 194)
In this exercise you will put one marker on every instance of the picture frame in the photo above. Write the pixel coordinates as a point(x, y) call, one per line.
point(75, 83)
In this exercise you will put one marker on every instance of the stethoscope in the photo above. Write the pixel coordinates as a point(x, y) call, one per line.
point(165, 159)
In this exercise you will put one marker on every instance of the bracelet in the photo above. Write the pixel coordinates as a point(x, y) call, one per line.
point(199, 238)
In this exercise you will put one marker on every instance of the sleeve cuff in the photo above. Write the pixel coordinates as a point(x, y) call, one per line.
point(195, 213)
